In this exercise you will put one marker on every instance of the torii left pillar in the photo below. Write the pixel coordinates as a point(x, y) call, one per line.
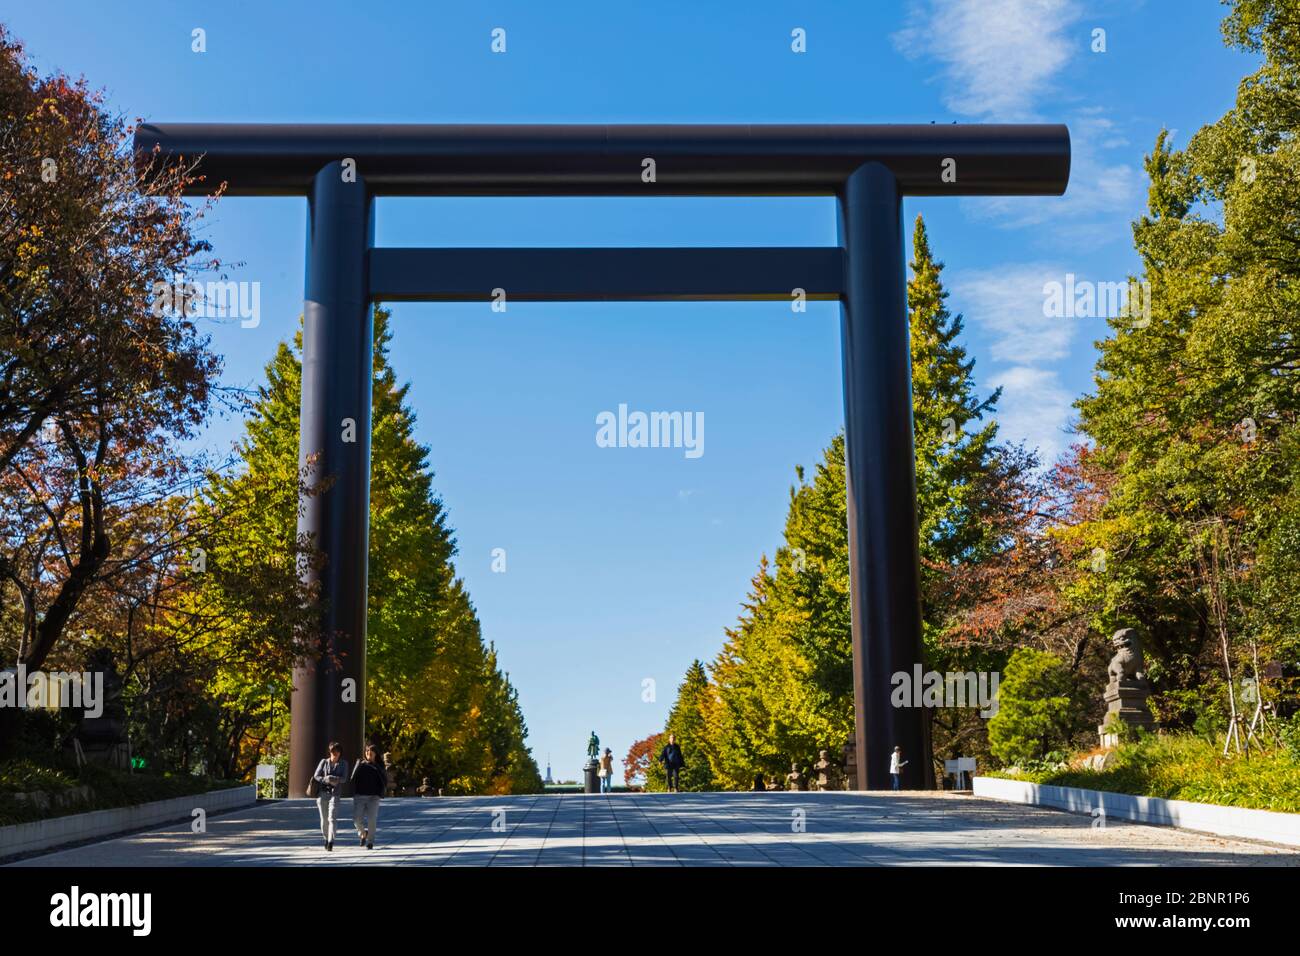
point(329, 693)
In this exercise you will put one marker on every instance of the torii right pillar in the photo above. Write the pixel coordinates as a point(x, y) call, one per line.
point(884, 557)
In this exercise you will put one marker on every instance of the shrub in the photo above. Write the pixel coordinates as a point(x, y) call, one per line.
point(32, 733)
point(1185, 767)
point(1037, 710)
point(25, 776)
point(108, 788)
point(1289, 729)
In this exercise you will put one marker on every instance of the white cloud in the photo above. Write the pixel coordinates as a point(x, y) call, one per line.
point(1034, 408)
point(1100, 200)
point(998, 60)
point(998, 56)
point(1005, 306)
point(1001, 61)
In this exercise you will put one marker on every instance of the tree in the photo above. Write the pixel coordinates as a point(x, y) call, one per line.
point(1196, 409)
point(641, 758)
point(1038, 709)
point(95, 382)
point(783, 681)
point(950, 461)
point(436, 697)
point(784, 676)
point(686, 721)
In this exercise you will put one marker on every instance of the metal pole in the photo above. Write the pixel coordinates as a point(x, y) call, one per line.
point(884, 575)
point(337, 376)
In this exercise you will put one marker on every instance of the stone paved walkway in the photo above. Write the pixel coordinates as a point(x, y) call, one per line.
point(717, 829)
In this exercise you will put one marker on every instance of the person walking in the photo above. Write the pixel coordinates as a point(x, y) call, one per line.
point(606, 772)
point(330, 774)
point(369, 784)
point(896, 765)
point(671, 758)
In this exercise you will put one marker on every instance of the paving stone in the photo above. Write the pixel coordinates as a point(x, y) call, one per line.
point(687, 829)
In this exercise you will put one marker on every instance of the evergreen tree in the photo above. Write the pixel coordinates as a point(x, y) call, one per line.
point(1038, 708)
point(435, 696)
point(688, 722)
point(782, 686)
point(1196, 409)
point(952, 454)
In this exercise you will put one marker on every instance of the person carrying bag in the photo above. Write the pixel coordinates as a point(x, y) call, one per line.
point(606, 772)
point(330, 775)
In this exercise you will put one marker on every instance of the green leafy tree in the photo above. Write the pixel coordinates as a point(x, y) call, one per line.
point(1038, 708)
point(687, 722)
point(1196, 405)
point(436, 697)
point(783, 681)
point(955, 448)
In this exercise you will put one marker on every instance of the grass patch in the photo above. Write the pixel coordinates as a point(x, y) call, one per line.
point(1186, 768)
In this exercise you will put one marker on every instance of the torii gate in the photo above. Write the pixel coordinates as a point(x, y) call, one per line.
point(342, 168)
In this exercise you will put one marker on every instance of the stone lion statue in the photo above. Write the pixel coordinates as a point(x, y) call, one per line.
point(1126, 666)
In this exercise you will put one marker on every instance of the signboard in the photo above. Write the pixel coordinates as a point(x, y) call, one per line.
point(266, 771)
point(958, 768)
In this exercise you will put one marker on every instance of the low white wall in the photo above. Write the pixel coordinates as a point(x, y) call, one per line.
point(47, 834)
point(1264, 825)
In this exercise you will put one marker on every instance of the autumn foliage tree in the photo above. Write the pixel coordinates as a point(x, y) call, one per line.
point(95, 383)
point(641, 757)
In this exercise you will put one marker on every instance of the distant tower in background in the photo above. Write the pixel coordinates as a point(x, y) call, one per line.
point(548, 779)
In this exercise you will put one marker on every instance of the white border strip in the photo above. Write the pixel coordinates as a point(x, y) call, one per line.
point(1266, 825)
point(56, 831)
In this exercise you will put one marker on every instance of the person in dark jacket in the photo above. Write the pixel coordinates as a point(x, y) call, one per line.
point(671, 758)
point(369, 782)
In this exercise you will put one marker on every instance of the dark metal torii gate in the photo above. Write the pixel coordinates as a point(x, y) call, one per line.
point(342, 168)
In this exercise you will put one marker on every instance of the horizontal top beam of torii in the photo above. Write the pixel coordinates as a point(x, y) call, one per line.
point(597, 160)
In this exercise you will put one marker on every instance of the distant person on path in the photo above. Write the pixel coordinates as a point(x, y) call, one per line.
point(330, 774)
point(369, 782)
point(896, 765)
point(606, 772)
point(671, 758)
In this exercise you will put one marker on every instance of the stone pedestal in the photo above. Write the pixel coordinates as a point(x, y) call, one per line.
point(850, 766)
point(1127, 701)
point(590, 777)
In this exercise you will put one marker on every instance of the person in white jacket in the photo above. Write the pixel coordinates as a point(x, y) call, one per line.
point(896, 765)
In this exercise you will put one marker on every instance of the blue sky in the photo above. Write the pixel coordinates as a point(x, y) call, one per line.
point(624, 564)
